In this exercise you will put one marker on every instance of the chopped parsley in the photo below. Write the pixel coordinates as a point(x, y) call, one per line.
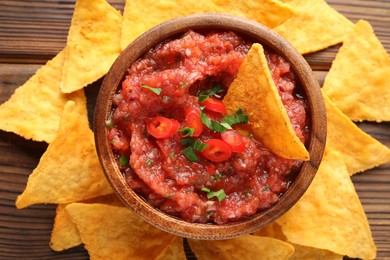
point(220, 195)
point(149, 162)
point(238, 118)
point(124, 161)
point(205, 94)
point(187, 131)
point(156, 91)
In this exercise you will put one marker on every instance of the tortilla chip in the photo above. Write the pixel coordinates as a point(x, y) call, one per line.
point(65, 234)
point(245, 247)
point(301, 252)
point(69, 170)
point(35, 109)
point(358, 81)
point(315, 26)
point(141, 15)
point(93, 44)
point(311, 253)
point(110, 232)
point(254, 91)
point(329, 215)
point(175, 251)
point(360, 151)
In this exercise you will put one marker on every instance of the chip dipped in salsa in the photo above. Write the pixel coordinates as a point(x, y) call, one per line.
point(180, 150)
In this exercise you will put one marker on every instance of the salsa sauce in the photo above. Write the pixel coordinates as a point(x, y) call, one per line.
point(167, 82)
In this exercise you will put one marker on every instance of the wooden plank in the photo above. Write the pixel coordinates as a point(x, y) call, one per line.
point(27, 36)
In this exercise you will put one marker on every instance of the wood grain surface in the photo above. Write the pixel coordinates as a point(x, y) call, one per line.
point(31, 32)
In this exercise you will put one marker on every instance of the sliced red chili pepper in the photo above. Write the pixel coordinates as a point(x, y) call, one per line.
point(162, 127)
point(234, 140)
point(215, 105)
point(193, 120)
point(217, 150)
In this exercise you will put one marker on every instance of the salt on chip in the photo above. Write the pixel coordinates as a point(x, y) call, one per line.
point(111, 232)
point(329, 215)
point(268, 12)
point(93, 44)
point(253, 90)
point(244, 247)
point(65, 234)
point(360, 151)
point(35, 109)
point(315, 26)
point(175, 251)
point(69, 170)
point(358, 81)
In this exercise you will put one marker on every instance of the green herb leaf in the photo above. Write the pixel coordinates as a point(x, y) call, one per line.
point(205, 94)
point(238, 118)
point(212, 124)
point(156, 91)
point(187, 142)
point(190, 154)
point(149, 162)
point(124, 161)
point(205, 189)
point(221, 195)
point(187, 131)
point(172, 155)
point(199, 146)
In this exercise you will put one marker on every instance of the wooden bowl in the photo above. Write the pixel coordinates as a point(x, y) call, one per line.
point(246, 28)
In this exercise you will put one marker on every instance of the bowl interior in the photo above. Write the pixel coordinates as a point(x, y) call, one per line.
point(248, 29)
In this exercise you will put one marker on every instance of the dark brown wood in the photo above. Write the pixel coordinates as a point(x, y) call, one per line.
point(31, 32)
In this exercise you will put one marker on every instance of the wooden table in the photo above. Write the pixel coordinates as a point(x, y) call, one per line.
point(31, 32)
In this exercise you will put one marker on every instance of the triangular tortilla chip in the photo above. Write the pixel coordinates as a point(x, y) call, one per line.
point(35, 109)
point(111, 232)
point(268, 12)
point(65, 234)
point(245, 247)
point(69, 170)
point(358, 81)
point(175, 251)
point(311, 253)
point(329, 215)
point(93, 44)
point(315, 26)
point(360, 151)
point(254, 91)
point(301, 252)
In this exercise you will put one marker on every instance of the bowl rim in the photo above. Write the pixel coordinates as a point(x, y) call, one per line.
point(247, 28)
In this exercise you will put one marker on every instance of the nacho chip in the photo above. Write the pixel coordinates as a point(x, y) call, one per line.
point(35, 109)
point(315, 26)
point(245, 247)
point(110, 232)
point(360, 151)
point(311, 253)
point(175, 251)
point(358, 81)
point(254, 91)
point(69, 170)
point(268, 12)
point(93, 44)
point(300, 252)
point(329, 215)
point(65, 234)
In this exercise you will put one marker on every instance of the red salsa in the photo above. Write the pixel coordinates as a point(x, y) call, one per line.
point(173, 140)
